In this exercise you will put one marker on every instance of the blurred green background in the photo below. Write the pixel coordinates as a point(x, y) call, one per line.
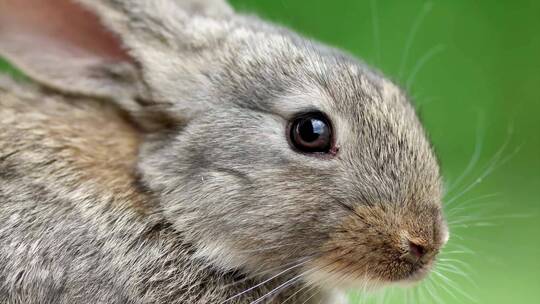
point(473, 69)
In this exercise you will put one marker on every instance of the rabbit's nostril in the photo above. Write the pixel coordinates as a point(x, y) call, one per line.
point(416, 250)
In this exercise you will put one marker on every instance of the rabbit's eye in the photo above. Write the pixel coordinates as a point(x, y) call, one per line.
point(311, 133)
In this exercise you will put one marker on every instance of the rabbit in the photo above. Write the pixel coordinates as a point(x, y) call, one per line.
point(175, 151)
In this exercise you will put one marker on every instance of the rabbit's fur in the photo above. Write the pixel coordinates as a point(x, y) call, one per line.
point(76, 228)
point(158, 170)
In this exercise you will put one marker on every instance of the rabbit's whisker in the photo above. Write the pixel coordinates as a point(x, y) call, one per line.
point(421, 62)
point(492, 164)
point(467, 206)
point(451, 284)
point(314, 294)
point(292, 281)
point(412, 35)
point(258, 273)
point(475, 157)
point(266, 281)
point(432, 291)
point(305, 289)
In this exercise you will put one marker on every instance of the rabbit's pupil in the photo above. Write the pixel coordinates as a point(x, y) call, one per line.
point(311, 133)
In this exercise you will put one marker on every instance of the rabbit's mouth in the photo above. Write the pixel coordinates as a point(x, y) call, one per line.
point(354, 274)
point(371, 249)
point(417, 273)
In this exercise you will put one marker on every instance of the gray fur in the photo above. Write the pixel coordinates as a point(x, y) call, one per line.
point(216, 200)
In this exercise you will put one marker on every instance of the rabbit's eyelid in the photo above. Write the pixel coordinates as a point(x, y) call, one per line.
point(306, 100)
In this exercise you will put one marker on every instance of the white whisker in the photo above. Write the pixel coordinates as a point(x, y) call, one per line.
point(281, 286)
point(257, 273)
point(455, 270)
point(421, 62)
point(453, 285)
point(466, 205)
point(430, 289)
point(265, 281)
point(445, 288)
point(290, 282)
point(455, 261)
point(475, 156)
point(476, 218)
point(492, 165)
point(412, 35)
point(310, 297)
point(309, 287)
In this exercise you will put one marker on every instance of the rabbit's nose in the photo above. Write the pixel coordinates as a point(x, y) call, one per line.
point(415, 252)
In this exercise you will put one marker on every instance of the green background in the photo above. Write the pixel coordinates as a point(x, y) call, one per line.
point(473, 68)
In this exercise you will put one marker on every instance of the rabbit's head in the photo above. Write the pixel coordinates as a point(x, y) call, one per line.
point(266, 151)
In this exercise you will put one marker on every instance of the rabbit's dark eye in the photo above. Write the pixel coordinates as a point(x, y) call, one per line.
point(311, 133)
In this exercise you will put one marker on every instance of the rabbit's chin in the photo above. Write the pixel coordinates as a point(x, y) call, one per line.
point(334, 281)
point(342, 282)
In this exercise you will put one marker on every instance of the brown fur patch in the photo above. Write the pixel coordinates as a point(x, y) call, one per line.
point(70, 142)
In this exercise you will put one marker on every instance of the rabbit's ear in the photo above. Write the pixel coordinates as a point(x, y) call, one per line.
point(131, 51)
point(62, 45)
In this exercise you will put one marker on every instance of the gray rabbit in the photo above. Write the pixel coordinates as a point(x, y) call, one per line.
point(179, 152)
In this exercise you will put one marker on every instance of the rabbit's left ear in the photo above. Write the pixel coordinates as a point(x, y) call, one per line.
point(115, 49)
point(62, 45)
